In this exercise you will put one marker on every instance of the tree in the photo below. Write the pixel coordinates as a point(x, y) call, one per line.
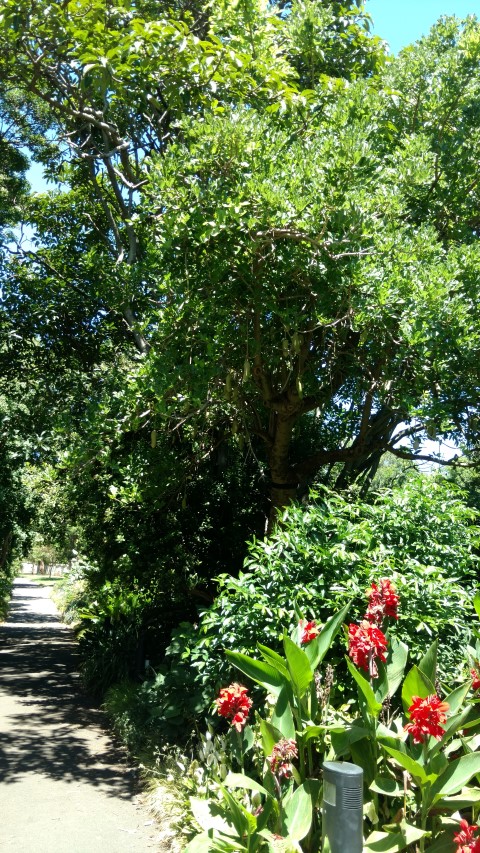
point(333, 261)
point(292, 264)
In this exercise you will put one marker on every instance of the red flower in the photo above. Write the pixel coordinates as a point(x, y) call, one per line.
point(465, 838)
point(382, 602)
point(475, 678)
point(426, 716)
point(365, 643)
point(309, 631)
point(234, 704)
point(282, 755)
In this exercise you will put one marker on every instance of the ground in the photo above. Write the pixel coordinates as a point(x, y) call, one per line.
point(65, 787)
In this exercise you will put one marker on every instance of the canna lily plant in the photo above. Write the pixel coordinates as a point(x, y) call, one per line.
point(417, 749)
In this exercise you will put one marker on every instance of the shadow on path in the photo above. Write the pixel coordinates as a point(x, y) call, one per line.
point(47, 726)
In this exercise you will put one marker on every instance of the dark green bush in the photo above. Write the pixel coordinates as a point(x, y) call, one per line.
point(421, 535)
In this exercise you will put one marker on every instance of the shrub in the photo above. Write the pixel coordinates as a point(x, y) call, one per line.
point(421, 535)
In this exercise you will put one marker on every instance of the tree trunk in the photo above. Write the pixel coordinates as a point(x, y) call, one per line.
point(284, 482)
point(5, 550)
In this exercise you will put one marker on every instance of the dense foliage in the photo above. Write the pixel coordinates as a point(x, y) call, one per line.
point(422, 536)
point(256, 273)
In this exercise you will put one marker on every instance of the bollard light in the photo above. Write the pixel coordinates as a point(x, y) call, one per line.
point(342, 809)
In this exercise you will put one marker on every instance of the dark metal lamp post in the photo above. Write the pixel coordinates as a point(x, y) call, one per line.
point(342, 810)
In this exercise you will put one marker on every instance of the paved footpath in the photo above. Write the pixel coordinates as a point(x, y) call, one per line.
point(64, 787)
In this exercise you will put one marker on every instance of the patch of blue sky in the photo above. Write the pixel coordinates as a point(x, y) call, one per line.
point(403, 23)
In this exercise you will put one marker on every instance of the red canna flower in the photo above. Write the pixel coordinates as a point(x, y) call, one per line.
point(309, 631)
point(234, 704)
point(282, 755)
point(365, 643)
point(475, 674)
point(382, 602)
point(465, 838)
point(425, 718)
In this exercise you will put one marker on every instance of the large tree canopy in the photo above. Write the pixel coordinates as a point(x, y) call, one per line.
point(283, 224)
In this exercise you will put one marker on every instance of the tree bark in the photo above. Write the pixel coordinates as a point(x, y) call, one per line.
point(5, 550)
point(284, 481)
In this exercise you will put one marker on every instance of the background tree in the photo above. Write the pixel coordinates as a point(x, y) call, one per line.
point(313, 285)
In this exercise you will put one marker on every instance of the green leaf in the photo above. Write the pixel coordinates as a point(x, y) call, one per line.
point(244, 822)
point(209, 815)
point(464, 799)
point(258, 671)
point(240, 780)
point(299, 667)
point(457, 697)
point(310, 732)
point(202, 843)
point(342, 741)
point(396, 662)
point(476, 603)
point(298, 814)
point(282, 717)
point(456, 776)
point(274, 659)
point(318, 648)
point(386, 785)
point(270, 736)
point(416, 684)
point(373, 706)
point(393, 842)
point(408, 763)
point(428, 664)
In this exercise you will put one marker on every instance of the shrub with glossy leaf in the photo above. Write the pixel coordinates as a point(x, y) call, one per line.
point(420, 535)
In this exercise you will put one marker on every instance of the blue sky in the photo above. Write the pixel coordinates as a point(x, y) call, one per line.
point(401, 23)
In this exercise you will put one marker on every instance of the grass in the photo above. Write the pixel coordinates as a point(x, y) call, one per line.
point(43, 580)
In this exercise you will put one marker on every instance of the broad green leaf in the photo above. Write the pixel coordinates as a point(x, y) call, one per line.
point(456, 776)
point(408, 763)
point(396, 662)
point(244, 822)
point(282, 717)
point(200, 844)
point(274, 659)
point(298, 814)
point(416, 684)
point(464, 799)
point(270, 736)
point(386, 785)
point(393, 842)
point(240, 780)
point(428, 664)
point(341, 741)
point(318, 648)
point(476, 603)
point(373, 706)
point(301, 672)
point(209, 815)
point(310, 732)
point(457, 697)
point(452, 725)
point(258, 671)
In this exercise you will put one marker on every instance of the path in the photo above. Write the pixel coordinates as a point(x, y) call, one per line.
point(64, 788)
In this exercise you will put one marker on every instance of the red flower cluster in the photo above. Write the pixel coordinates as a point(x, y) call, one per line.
point(475, 674)
point(382, 602)
point(234, 704)
point(282, 755)
point(309, 631)
point(465, 838)
point(365, 643)
point(425, 718)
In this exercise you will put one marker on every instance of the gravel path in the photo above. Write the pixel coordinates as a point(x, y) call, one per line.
point(64, 787)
